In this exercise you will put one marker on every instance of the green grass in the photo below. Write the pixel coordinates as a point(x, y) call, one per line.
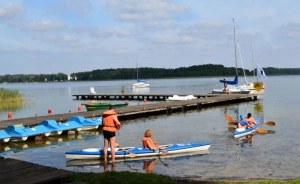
point(126, 177)
point(10, 100)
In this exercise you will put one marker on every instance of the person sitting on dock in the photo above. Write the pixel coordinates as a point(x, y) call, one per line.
point(149, 143)
point(225, 87)
point(250, 120)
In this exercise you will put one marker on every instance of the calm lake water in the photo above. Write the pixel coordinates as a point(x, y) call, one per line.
point(275, 155)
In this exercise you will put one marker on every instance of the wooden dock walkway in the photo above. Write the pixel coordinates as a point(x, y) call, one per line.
point(133, 112)
point(21, 172)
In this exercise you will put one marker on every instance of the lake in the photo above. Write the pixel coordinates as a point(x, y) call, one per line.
point(274, 155)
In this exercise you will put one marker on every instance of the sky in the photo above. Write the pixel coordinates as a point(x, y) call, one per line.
point(67, 36)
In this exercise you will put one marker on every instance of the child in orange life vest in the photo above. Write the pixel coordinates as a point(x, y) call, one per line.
point(148, 142)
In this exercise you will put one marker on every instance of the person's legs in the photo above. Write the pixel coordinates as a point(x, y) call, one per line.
point(112, 147)
point(105, 149)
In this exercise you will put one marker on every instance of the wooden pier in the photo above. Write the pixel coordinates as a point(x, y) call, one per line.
point(21, 172)
point(144, 110)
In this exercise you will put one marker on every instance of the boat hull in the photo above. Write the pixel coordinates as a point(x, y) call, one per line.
point(140, 85)
point(93, 107)
point(220, 91)
point(97, 153)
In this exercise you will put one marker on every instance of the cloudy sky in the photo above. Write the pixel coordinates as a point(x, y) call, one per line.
point(51, 36)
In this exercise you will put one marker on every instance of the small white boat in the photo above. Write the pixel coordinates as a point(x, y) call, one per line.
point(178, 98)
point(231, 90)
point(140, 84)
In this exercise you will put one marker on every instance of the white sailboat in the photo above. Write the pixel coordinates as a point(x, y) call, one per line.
point(139, 83)
point(257, 88)
point(232, 88)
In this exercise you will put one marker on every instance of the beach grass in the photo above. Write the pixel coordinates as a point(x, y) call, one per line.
point(10, 100)
point(126, 177)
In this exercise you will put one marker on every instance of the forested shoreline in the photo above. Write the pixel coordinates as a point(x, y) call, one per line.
point(206, 70)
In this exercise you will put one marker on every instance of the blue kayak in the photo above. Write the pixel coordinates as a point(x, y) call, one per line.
point(240, 132)
point(127, 152)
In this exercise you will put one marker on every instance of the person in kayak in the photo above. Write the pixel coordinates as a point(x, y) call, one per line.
point(250, 120)
point(151, 144)
point(110, 125)
point(242, 123)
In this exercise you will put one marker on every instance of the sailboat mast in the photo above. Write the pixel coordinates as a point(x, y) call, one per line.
point(236, 71)
point(137, 67)
point(253, 61)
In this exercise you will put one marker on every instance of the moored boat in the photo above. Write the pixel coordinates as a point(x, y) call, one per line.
point(101, 106)
point(127, 152)
point(231, 90)
point(87, 124)
point(57, 127)
point(240, 132)
point(178, 98)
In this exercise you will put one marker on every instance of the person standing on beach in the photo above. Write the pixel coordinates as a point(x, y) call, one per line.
point(110, 125)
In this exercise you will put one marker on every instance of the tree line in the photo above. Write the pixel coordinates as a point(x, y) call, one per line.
point(206, 70)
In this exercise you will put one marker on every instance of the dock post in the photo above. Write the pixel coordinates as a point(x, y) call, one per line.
point(168, 110)
point(199, 105)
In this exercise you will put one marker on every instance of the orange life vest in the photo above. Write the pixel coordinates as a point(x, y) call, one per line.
point(145, 144)
point(108, 122)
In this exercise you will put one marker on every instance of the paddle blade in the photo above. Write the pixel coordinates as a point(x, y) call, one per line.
point(231, 129)
point(229, 118)
point(131, 155)
point(261, 131)
point(270, 123)
point(231, 123)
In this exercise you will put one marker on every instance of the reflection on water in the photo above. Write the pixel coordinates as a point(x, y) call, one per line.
point(140, 90)
point(137, 164)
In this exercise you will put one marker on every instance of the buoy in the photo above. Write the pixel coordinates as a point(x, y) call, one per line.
point(49, 111)
point(9, 115)
point(145, 101)
point(126, 101)
point(79, 108)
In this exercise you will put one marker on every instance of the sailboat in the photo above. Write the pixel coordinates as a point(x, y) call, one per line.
point(139, 83)
point(257, 88)
point(232, 89)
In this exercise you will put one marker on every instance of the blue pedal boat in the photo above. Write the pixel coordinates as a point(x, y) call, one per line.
point(127, 152)
point(4, 137)
point(241, 132)
point(17, 133)
point(87, 124)
point(20, 133)
point(57, 127)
